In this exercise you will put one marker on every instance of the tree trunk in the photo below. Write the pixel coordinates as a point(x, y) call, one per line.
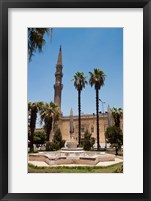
point(32, 129)
point(97, 119)
point(31, 140)
point(116, 149)
point(79, 111)
point(47, 131)
point(51, 130)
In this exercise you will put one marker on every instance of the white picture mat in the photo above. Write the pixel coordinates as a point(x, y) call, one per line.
point(131, 181)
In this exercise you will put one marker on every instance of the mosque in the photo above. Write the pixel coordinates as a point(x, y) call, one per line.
point(69, 124)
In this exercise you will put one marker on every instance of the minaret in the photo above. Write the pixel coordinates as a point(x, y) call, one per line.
point(58, 82)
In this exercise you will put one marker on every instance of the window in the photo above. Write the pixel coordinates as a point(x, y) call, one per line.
point(92, 129)
point(82, 129)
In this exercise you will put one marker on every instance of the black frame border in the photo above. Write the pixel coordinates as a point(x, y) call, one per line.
point(4, 6)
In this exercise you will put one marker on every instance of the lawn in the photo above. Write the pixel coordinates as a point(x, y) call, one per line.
point(117, 168)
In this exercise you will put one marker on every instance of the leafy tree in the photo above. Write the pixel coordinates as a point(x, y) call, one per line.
point(88, 141)
point(39, 137)
point(79, 83)
point(97, 79)
point(114, 136)
point(117, 113)
point(49, 116)
point(33, 109)
point(36, 39)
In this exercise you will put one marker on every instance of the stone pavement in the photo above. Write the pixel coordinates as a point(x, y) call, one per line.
point(103, 164)
point(107, 163)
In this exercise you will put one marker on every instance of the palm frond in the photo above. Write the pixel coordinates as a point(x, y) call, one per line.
point(97, 78)
point(79, 80)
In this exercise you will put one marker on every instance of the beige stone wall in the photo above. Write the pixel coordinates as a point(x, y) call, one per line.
point(88, 122)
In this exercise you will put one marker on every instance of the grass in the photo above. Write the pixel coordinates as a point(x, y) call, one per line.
point(76, 169)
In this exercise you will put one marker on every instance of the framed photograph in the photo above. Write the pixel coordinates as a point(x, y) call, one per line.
point(75, 100)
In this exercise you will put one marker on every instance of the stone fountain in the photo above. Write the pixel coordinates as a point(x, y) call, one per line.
point(71, 154)
point(71, 150)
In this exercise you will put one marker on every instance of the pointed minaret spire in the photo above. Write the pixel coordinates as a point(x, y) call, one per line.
point(58, 82)
point(60, 57)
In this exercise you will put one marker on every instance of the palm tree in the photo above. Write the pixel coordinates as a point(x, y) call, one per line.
point(79, 83)
point(33, 109)
point(97, 79)
point(117, 113)
point(36, 39)
point(49, 116)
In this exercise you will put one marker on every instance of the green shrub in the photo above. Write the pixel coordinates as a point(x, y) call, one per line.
point(49, 146)
point(39, 137)
point(57, 140)
point(114, 136)
point(63, 143)
point(88, 141)
point(92, 141)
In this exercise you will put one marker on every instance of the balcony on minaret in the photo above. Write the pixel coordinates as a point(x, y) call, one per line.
point(58, 73)
point(58, 85)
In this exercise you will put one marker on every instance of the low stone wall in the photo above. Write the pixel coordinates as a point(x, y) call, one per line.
point(84, 160)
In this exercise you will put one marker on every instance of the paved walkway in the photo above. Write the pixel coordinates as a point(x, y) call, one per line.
point(39, 163)
point(103, 164)
point(107, 163)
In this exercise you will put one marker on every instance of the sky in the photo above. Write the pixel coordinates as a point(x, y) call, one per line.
point(83, 49)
